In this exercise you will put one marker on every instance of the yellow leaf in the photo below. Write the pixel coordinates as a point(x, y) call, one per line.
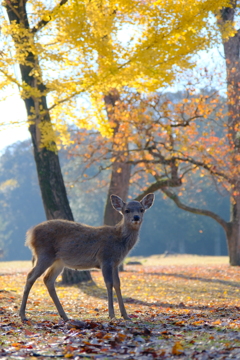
point(177, 348)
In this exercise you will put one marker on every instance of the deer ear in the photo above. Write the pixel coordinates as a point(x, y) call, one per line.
point(117, 203)
point(147, 201)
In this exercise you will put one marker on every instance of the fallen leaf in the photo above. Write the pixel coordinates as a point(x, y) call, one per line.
point(177, 349)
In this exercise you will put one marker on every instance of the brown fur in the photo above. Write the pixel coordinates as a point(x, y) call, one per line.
point(56, 244)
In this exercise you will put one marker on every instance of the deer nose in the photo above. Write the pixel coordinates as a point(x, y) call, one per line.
point(136, 218)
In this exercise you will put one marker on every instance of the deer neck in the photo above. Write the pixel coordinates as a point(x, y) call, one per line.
point(129, 235)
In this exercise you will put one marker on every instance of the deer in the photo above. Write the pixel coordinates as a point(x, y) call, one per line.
point(58, 243)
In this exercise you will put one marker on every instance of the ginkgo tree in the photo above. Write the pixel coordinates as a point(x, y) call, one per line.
point(20, 47)
point(63, 49)
point(162, 45)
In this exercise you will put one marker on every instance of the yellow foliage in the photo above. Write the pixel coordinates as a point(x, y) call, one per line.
point(177, 348)
point(91, 47)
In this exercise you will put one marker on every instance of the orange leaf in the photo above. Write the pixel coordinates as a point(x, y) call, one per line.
point(217, 322)
point(120, 337)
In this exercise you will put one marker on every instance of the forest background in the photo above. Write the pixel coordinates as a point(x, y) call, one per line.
point(21, 208)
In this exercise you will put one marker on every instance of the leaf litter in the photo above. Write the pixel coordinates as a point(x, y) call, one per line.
point(177, 312)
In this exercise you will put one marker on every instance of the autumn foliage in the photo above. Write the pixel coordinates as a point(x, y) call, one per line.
point(187, 130)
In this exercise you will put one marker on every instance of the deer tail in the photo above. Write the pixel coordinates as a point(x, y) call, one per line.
point(29, 243)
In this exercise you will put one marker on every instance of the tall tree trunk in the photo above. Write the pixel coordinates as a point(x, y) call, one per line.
point(233, 244)
point(50, 177)
point(233, 233)
point(119, 185)
point(232, 58)
point(121, 170)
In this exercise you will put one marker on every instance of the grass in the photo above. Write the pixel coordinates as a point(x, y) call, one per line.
point(12, 266)
point(183, 260)
point(153, 260)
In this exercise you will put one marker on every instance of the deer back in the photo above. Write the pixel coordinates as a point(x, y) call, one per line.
point(77, 245)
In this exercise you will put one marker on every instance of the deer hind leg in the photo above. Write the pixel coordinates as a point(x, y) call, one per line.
point(49, 280)
point(117, 287)
point(41, 266)
point(108, 279)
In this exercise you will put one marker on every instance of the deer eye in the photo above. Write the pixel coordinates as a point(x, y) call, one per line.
point(127, 211)
point(141, 210)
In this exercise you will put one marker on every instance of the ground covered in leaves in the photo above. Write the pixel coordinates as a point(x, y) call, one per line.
point(188, 310)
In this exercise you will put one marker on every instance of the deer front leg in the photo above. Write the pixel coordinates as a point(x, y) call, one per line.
point(107, 272)
point(117, 287)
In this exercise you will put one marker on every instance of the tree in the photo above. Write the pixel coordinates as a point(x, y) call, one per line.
point(184, 139)
point(34, 92)
point(229, 171)
point(232, 58)
point(204, 146)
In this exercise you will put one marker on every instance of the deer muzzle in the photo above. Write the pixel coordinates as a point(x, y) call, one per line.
point(136, 219)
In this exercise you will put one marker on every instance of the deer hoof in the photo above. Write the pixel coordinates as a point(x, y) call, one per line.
point(24, 319)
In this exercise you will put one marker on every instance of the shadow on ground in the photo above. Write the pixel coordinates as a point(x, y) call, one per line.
point(92, 289)
point(186, 277)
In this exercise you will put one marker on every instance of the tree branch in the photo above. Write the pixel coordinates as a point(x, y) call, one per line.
point(193, 210)
point(159, 185)
point(204, 166)
point(227, 13)
point(42, 23)
point(190, 160)
point(8, 2)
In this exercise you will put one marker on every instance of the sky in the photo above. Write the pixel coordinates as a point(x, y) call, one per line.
point(12, 110)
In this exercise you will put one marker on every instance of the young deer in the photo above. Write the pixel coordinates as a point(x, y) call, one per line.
point(59, 243)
